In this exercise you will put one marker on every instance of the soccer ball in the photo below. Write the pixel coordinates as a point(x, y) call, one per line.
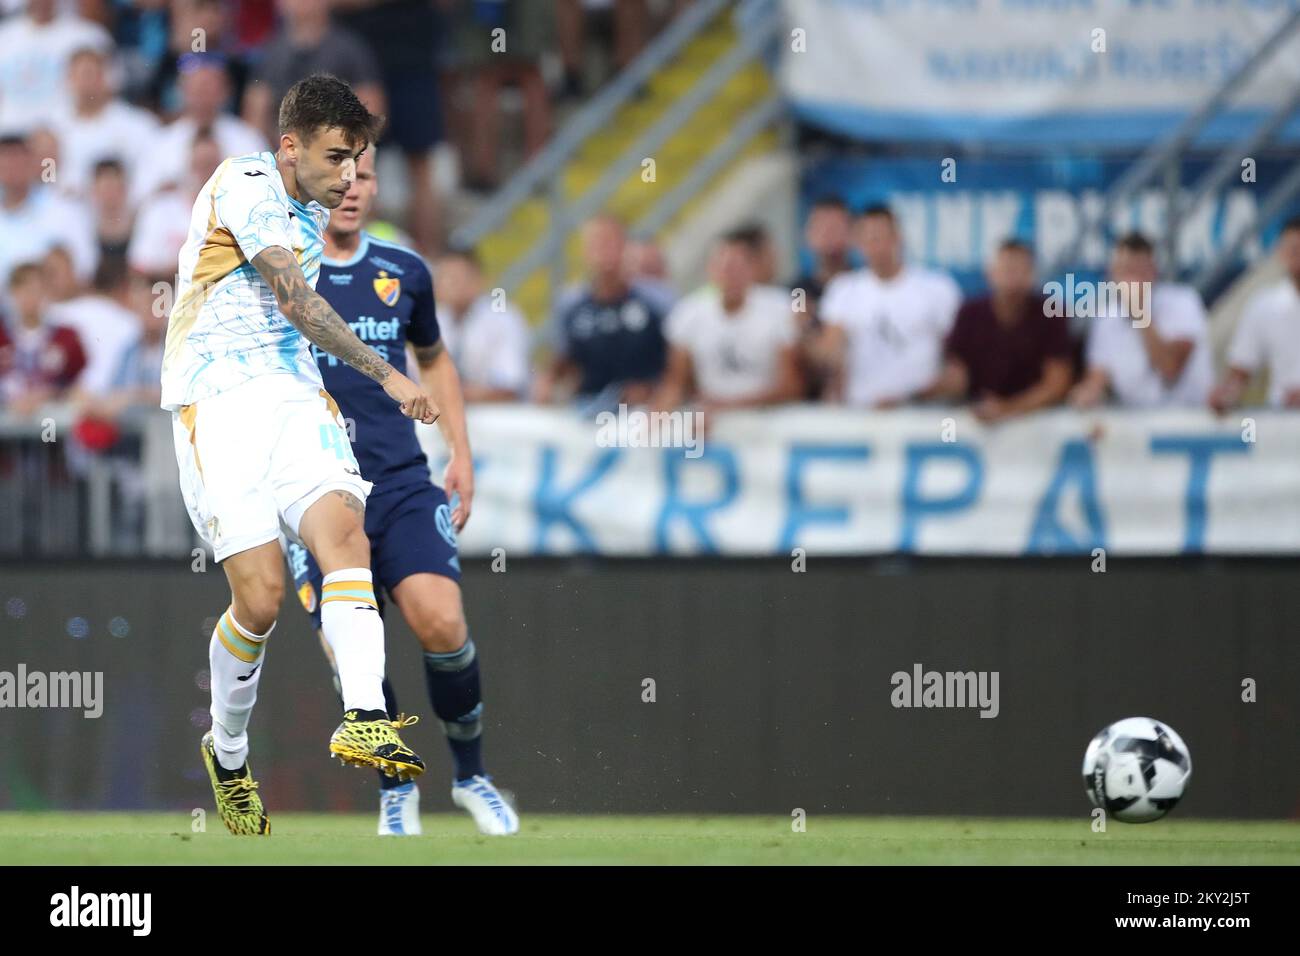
point(1136, 769)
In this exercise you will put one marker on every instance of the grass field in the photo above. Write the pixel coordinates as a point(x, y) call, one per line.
point(143, 838)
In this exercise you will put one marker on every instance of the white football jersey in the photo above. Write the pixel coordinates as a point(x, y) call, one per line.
point(225, 327)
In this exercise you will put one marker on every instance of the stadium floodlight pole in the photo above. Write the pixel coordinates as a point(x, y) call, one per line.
point(1169, 149)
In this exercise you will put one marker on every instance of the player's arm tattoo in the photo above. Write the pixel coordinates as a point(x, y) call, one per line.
point(311, 315)
point(425, 354)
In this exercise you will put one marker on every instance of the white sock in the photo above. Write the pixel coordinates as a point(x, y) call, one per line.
point(349, 618)
point(235, 657)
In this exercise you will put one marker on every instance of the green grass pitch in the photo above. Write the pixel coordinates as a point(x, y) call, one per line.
point(167, 839)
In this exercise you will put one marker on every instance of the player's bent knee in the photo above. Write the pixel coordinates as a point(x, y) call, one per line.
point(440, 630)
point(257, 604)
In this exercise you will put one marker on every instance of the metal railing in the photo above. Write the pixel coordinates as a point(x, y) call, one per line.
point(1161, 163)
point(544, 175)
point(60, 500)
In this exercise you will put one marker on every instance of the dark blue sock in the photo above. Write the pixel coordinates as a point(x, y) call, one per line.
point(457, 700)
point(390, 704)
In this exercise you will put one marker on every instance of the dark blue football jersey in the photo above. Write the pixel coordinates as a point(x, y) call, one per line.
point(385, 294)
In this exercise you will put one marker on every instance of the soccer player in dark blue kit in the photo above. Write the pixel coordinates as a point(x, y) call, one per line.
point(385, 293)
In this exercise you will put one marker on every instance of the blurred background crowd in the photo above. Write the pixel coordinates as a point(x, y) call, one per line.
point(113, 113)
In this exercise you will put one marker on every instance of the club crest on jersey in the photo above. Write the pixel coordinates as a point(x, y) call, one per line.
point(388, 288)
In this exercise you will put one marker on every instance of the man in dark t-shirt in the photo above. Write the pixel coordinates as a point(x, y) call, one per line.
point(606, 336)
point(1003, 353)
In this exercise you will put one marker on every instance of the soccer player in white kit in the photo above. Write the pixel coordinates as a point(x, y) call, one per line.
point(260, 441)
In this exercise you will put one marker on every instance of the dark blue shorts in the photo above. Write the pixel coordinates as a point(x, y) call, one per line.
point(410, 532)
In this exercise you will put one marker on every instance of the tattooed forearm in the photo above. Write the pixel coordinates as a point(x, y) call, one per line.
point(312, 315)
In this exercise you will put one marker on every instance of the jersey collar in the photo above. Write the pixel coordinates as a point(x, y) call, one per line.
point(362, 248)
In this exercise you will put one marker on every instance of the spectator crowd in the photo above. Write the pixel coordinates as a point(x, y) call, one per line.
point(114, 114)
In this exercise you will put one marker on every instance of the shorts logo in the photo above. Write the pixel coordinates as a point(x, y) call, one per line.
point(307, 595)
point(387, 288)
point(442, 518)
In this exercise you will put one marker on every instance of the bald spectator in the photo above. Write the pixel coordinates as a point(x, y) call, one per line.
point(39, 361)
point(96, 126)
point(205, 91)
point(309, 42)
point(606, 336)
point(35, 48)
point(1153, 350)
point(732, 344)
point(485, 334)
point(1004, 353)
point(34, 218)
point(1268, 335)
point(884, 326)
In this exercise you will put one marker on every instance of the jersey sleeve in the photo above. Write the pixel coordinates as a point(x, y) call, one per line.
point(247, 205)
point(423, 330)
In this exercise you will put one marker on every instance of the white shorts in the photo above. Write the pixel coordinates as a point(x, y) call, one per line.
point(266, 450)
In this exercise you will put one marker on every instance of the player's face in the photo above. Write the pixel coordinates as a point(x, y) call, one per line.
point(326, 166)
point(353, 212)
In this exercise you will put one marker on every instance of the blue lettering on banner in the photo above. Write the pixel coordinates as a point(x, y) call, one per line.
point(915, 506)
point(552, 504)
point(1199, 452)
point(798, 512)
point(675, 508)
point(1075, 468)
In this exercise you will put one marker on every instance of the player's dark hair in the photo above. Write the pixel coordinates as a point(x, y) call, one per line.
point(1013, 244)
point(1135, 242)
point(1290, 224)
point(323, 101)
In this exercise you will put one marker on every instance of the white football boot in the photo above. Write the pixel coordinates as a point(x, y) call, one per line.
point(491, 813)
point(399, 810)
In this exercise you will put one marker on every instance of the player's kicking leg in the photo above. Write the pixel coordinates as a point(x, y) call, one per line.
point(431, 604)
point(333, 530)
point(235, 656)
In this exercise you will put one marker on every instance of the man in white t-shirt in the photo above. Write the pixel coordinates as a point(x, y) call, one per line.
point(884, 326)
point(205, 89)
point(34, 51)
point(1269, 335)
point(34, 218)
point(486, 336)
point(1150, 354)
point(95, 125)
point(734, 341)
